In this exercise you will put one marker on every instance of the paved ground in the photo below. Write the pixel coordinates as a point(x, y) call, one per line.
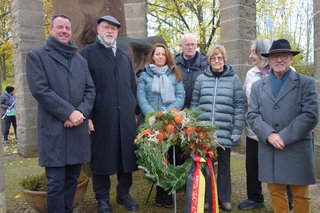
point(16, 167)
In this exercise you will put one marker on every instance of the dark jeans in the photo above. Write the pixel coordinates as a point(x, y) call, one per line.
point(224, 175)
point(101, 185)
point(61, 187)
point(8, 120)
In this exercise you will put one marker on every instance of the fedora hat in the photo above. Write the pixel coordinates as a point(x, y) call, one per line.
point(110, 19)
point(280, 46)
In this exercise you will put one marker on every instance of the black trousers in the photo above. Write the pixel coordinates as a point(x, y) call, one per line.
point(254, 189)
point(101, 185)
point(61, 187)
point(224, 175)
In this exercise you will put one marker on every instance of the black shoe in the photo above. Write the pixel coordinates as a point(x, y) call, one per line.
point(226, 207)
point(159, 198)
point(128, 202)
point(250, 204)
point(168, 203)
point(104, 207)
point(290, 206)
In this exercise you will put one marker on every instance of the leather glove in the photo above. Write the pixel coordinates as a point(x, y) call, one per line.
point(235, 138)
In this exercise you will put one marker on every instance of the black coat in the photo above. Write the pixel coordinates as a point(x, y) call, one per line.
point(113, 113)
point(190, 74)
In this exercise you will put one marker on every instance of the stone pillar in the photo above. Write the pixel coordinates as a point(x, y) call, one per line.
point(2, 195)
point(316, 24)
point(136, 13)
point(237, 29)
point(27, 32)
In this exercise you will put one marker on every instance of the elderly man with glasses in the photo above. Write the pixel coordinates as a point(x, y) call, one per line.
point(283, 110)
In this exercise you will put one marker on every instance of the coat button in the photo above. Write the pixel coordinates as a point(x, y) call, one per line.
point(276, 125)
point(119, 107)
point(276, 107)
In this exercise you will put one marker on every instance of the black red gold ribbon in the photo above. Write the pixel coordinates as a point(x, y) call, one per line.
point(198, 185)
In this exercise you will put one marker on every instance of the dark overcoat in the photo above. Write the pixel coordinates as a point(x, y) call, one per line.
point(113, 113)
point(60, 88)
point(292, 114)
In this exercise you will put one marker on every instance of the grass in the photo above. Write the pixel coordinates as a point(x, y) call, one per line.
point(16, 168)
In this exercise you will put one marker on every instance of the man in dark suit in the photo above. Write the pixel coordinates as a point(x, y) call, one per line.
point(283, 110)
point(113, 125)
point(60, 81)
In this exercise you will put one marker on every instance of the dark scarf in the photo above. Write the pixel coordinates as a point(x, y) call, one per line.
point(190, 62)
point(67, 50)
point(218, 74)
point(277, 83)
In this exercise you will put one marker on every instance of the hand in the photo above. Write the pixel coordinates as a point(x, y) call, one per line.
point(90, 126)
point(235, 138)
point(67, 124)
point(276, 141)
point(76, 118)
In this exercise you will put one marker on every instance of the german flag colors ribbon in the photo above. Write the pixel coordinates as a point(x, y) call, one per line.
point(198, 185)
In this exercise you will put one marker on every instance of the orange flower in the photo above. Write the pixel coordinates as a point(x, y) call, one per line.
point(177, 119)
point(190, 130)
point(204, 147)
point(161, 136)
point(174, 110)
point(201, 134)
point(142, 134)
point(147, 132)
point(170, 128)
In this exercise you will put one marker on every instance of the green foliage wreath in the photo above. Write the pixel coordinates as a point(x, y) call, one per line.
point(165, 129)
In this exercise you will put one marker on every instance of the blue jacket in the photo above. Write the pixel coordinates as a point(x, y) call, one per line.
point(222, 102)
point(152, 102)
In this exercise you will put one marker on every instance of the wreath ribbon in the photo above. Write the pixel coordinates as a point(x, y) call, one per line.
point(197, 184)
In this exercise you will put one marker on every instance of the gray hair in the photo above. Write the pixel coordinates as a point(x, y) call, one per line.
point(262, 46)
point(188, 35)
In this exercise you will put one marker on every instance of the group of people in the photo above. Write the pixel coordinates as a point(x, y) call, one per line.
point(88, 103)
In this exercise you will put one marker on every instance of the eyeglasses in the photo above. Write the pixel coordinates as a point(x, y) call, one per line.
point(216, 58)
point(275, 57)
point(190, 45)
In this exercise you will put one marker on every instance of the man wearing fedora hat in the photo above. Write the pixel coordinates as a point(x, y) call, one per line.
point(283, 110)
point(112, 124)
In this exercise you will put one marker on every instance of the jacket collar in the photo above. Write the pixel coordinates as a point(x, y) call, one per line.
point(59, 58)
point(291, 82)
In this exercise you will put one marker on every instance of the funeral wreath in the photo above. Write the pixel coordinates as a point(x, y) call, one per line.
point(173, 129)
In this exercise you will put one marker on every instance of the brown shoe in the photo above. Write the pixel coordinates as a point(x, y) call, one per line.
point(226, 207)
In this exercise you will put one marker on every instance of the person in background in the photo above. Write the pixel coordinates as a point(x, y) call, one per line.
point(283, 110)
point(8, 112)
point(191, 63)
point(218, 93)
point(60, 82)
point(112, 124)
point(260, 70)
point(160, 86)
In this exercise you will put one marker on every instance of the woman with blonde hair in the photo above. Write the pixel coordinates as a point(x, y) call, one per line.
point(218, 93)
